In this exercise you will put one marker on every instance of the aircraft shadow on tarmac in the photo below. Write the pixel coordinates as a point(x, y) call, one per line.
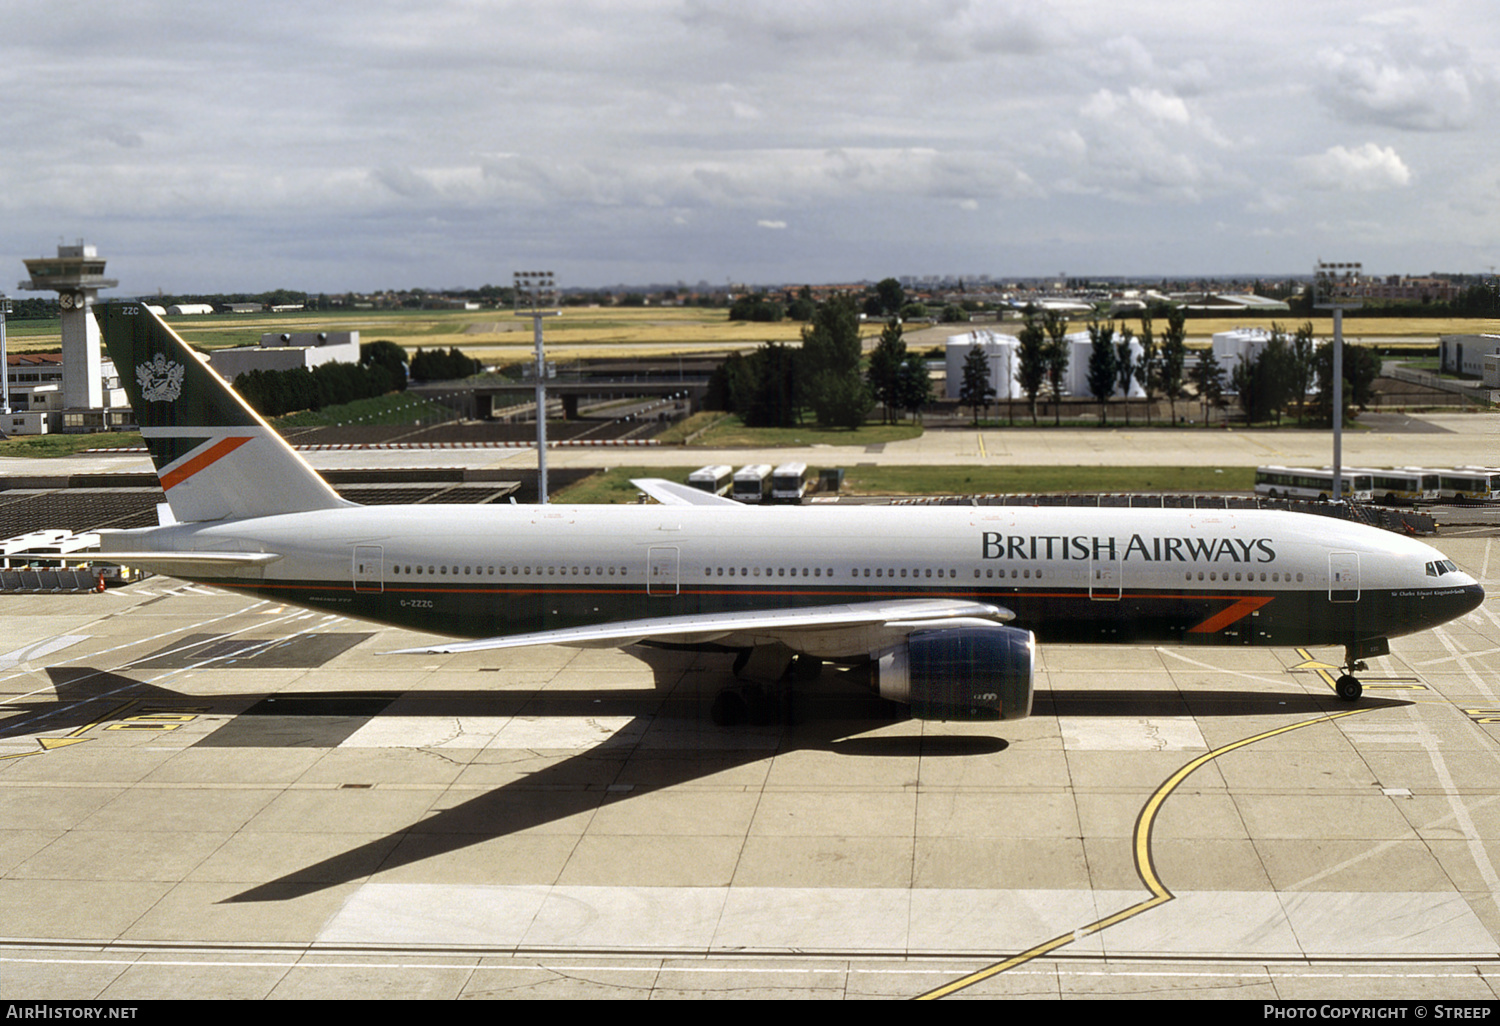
point(825, 716)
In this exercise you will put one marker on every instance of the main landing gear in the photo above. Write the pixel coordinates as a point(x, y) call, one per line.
point(763, 694)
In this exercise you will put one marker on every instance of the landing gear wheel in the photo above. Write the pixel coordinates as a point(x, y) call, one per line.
point(1349, 688)
point(730, 708)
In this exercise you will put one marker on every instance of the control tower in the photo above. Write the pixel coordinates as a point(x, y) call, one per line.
point(76, 274)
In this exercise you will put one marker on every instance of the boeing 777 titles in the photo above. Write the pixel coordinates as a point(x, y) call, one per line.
point(946, 604)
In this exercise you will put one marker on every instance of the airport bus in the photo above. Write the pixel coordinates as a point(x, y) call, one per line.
point(1403, 485)
point(789, 482)
point(752, 483)
point(1470, 484)
point(1308, 483)
point(714, 479)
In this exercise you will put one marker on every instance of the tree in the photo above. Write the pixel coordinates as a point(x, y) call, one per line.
point(1304, 353)
point(756, 308)
point(842, 401)
point(388, 356)
point(773, 397)
point(730, 380)
point(976, 390)
point(1147, 373)
point(1031, 358)
point(1360, 371)
point(1280, 372)
point(436, 365)
point(1055, 356)
point(914, 387)
point(1173, 374)
point(761, 389)
point(1252, 386)
point(1125, 365)
point(1103, 365)
point(885, 368)
point(1208, 377)
point(829, 369)
point(891, 296)
point(802, 308)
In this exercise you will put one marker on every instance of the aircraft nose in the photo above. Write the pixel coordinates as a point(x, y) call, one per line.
point(1455, 602)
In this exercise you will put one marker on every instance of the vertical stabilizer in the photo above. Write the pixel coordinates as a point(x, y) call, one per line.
point(217, 459)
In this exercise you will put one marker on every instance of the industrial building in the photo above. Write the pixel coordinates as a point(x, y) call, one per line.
point(37, 403)
point(1464, 354)
point(287, 351)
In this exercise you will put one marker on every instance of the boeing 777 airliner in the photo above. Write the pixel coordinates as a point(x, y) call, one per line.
point(945, 603)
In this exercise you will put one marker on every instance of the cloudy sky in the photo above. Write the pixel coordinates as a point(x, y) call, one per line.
point(333, 146)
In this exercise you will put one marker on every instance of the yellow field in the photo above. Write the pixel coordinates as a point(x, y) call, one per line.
point(500, 337)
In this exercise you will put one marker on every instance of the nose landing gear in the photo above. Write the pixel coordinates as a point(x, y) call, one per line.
point(1348, 686)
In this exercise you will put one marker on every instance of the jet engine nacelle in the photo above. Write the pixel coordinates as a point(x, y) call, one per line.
point(982, 671)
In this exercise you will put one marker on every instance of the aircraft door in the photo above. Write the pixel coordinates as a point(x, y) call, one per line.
point(367, 563)
point(1104, 578)
point(1343, 577)
point(661, 570)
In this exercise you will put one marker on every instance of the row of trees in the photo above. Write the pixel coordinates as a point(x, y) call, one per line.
point(1267, 385)
point(773, 386)
point(1291, 372)
point(1042, 358)
point(886, 300)
point(436, 365)
point(381, 369)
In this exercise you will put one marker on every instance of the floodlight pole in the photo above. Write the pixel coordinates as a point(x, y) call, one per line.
point(4, 359)
point(532, 287)
point(1338, 404)
point(1329, 292)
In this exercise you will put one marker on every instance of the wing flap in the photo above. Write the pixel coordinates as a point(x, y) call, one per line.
point(670, 493)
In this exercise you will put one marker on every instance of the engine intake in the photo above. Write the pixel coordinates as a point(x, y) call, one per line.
point(978, 672)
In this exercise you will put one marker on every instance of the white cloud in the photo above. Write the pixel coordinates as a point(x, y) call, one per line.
point(1433, 87)
point(395, 142)
point(774, 225)
point(1368, 168)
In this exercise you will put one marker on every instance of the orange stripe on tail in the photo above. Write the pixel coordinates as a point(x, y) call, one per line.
point(207, 458)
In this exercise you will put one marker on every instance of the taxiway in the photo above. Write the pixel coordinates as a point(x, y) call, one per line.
point(207, 795)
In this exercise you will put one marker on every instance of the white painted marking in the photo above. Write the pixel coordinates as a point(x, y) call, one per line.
point(39, 650)
point(1226, 924)
point(1127, 734)
point(568, 733)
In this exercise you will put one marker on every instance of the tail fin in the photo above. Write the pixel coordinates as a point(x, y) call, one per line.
point(217, 459)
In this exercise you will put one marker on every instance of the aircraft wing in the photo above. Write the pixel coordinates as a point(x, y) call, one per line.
point(670, 493)
point(832, 631)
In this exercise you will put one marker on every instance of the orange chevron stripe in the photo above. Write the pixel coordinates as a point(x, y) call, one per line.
point(1238, 611)
point(207, 458)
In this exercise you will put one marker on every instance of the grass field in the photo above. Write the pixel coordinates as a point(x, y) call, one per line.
point(614, 485)
point(48, 446)
point(729, 431)
point(394, 408)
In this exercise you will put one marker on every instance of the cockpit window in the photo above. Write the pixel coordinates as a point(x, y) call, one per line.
point(1439, 567)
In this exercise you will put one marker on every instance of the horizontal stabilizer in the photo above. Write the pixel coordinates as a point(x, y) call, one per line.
point(173, 564)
